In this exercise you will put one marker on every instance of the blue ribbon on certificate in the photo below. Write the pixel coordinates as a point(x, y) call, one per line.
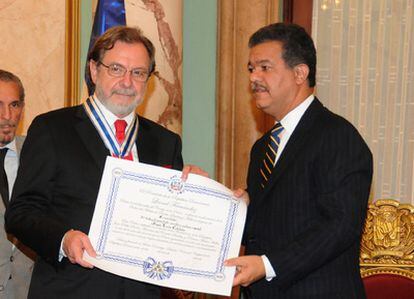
point(158, 270)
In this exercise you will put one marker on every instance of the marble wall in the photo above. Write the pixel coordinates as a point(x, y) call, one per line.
point(33, 47)
point(161, 21)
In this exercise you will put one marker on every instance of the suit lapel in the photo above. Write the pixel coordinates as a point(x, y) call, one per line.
point(19, 143)
point(302, 133)
point(147, 144)
point(2, 206)
point(91, 138)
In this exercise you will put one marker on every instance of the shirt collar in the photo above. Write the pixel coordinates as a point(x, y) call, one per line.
point(11, 146)
point(290, 121)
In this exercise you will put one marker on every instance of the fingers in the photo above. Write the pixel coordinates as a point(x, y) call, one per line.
point(88, 247)
point(74, 244)
point(186, 171)
point(238, 192)
point(239, 280)
point(193, 169)
point(242, 194)
point(249, 269)
point(239, 277)
point(232, 262)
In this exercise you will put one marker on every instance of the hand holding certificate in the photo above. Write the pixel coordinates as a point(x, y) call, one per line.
point(151, 226)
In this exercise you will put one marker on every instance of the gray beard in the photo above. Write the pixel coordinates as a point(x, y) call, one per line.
point(118, 109)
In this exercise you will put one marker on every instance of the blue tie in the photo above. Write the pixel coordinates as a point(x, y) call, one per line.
point(270, 155)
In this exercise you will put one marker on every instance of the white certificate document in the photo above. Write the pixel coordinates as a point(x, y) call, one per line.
point(150, 226)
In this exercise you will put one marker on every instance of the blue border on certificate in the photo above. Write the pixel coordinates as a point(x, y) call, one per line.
point(164, 269)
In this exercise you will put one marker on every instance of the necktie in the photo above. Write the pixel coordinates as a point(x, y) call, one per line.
point(270, 155)
point(120, 126)
point(4, 185)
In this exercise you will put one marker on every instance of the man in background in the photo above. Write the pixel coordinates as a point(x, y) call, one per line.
point(308, 181)
point(62, 163)
point(16, 261)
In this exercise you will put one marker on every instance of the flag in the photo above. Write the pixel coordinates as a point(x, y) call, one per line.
point(109, 13)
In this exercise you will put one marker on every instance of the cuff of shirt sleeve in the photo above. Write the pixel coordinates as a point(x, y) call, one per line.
point(62, 253)
point(270, 272)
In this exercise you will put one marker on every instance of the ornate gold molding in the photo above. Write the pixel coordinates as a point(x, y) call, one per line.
point(387, 270)
point(72, 53)
point(387, 243)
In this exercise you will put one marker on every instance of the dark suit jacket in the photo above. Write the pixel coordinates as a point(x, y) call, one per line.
point(308, 220)
point(56, 188)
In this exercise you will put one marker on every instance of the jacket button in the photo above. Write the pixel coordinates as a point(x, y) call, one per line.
point(12, 259)
point(1, 288)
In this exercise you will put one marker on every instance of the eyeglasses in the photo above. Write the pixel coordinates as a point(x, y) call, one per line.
point(117, 70)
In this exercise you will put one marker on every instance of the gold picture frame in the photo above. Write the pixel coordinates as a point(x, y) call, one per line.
point(72, 53)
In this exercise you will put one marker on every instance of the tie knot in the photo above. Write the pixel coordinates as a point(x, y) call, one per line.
point(120, 125)
point(276, 130)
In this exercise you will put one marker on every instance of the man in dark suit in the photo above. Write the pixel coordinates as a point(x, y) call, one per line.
point(62, 162)
point(16, 261)
point(308, 181)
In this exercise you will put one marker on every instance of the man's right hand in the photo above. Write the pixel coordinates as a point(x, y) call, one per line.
point(74, 243)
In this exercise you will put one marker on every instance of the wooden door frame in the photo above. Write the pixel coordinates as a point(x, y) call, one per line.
point(298, 12)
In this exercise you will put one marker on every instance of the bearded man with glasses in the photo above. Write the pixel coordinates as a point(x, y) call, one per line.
point(62, 162)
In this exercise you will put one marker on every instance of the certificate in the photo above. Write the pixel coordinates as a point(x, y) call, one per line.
point(150, 226)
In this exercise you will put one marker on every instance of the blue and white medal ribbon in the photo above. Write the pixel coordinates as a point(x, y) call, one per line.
point(106, 133)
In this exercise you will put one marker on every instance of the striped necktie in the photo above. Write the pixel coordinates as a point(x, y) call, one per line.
point(270, 155)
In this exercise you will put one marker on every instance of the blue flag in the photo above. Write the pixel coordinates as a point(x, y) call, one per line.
point(109, 13)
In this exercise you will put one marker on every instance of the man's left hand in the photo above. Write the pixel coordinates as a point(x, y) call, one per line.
point(249, 269)
point(241, 194)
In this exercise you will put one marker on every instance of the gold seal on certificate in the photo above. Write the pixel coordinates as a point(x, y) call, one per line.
point(150, 226)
